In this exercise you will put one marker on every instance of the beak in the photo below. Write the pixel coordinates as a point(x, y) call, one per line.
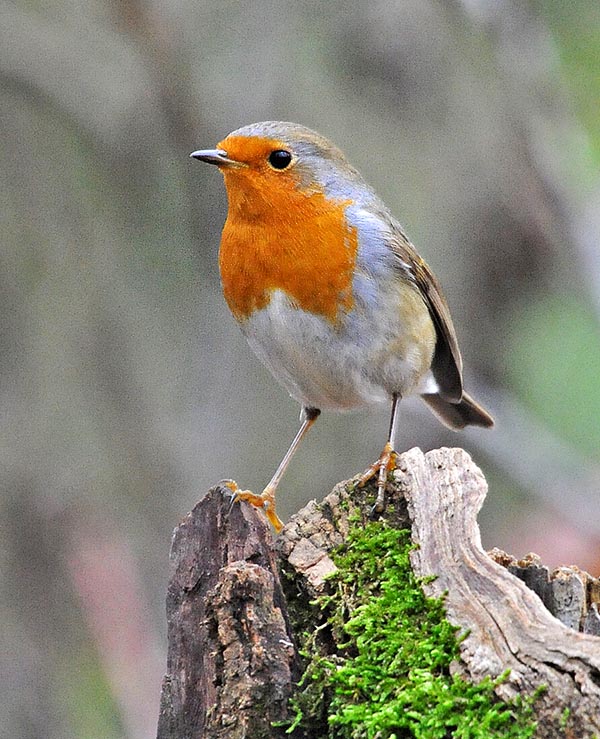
point(213, 156)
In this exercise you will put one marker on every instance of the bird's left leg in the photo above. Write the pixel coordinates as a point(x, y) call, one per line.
point(266, 499)
point(386, 462)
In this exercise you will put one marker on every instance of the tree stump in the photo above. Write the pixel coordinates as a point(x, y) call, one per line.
point(232, 660)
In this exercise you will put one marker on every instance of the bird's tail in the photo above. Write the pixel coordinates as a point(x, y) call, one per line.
point(458, 415)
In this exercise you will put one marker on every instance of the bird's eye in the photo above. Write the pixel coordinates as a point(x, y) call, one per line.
point(280, 159)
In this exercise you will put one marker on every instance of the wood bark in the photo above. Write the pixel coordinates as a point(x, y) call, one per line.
point(232, 660)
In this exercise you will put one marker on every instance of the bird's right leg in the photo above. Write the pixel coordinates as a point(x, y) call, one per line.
point(386, 462)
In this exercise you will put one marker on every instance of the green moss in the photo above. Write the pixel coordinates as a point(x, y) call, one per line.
point(564, 719)
point(390, 676)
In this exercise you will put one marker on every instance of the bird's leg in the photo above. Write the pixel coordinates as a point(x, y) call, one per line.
point(266, 499)
point(386, 462)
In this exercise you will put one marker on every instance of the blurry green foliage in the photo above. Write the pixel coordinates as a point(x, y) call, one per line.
point(575, 27)
point(86, 698)
point(555, 367)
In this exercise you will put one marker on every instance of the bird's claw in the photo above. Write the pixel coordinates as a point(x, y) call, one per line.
point(230, 489)
point(266, 501)
point(382, 469)
point(376, 510)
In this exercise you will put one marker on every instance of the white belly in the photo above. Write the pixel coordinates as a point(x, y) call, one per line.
point(337, 368)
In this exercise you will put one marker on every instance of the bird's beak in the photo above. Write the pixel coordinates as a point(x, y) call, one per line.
point(214, 156)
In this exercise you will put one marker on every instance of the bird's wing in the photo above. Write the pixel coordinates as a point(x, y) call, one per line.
point(447, 362)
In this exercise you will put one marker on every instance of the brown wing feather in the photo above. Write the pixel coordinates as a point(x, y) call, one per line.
point(447, 362)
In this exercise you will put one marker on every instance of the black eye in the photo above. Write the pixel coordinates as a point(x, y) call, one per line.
point(280, 158)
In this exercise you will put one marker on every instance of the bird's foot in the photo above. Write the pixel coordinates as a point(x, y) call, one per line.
point(381, 468)
point(266, 501)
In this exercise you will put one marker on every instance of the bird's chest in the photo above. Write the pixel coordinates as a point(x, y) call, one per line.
point(303, 248)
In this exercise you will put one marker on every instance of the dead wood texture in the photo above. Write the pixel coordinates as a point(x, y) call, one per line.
point(508, 625)
point(232, 661)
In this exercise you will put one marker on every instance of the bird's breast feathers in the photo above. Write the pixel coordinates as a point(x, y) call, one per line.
point(296, 242)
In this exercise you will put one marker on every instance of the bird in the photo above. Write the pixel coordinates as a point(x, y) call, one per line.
point(329, 291)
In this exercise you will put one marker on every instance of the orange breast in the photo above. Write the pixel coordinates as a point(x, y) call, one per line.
point(280, 237)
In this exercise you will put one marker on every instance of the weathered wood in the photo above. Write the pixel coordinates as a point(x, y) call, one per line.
point(231, 657)
point(569, 593)
point(508, 626)
point(231, 661)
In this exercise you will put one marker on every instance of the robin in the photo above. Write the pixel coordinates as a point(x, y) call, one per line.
point(329, 291)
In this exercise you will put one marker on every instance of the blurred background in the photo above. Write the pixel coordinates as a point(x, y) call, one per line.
point(127, 390)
